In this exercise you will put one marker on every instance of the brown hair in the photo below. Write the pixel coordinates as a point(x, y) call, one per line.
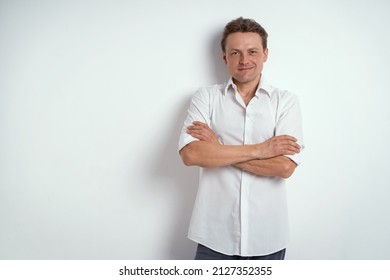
point(243, 25)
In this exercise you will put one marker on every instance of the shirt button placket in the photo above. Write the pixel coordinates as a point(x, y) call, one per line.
point(244, 187)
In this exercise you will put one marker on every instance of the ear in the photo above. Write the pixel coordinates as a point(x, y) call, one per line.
point(224, 58)
point(265, 55)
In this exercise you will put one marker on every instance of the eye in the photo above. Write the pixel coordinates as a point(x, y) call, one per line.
point(252, 52)
point(234, 53)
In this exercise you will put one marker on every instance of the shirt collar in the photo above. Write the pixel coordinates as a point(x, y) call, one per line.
point(263, 86)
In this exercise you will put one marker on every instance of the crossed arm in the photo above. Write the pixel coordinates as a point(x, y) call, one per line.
point(264, 159)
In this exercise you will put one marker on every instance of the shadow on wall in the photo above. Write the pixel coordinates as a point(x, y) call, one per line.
point(219, 73)
point(184, 180)
point(183, 184)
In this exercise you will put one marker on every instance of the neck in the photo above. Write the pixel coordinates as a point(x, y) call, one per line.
point(247, 90)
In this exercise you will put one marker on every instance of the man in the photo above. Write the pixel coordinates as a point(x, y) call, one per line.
point(246, 136)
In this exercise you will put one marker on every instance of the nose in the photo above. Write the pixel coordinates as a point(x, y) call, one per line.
point(243, 59)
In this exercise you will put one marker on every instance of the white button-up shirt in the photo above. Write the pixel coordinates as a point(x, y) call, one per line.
point(237, 212)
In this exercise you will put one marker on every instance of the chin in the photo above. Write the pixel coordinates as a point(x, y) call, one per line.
point(244, 80)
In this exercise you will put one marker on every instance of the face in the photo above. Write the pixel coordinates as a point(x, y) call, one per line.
point(244, 56)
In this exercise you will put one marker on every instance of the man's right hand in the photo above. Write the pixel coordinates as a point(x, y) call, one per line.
point(278, 146)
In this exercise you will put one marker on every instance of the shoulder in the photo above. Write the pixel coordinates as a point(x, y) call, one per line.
point(283, 101)
point(281, 94)
point(284, 98)
point(210, 92)
point(212, 89)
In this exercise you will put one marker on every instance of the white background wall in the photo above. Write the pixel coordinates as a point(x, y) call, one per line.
point(93, 95)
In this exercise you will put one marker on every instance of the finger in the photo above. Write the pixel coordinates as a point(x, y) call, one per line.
point(289, 151)
point(200, 123)
point(200, 136)
point(295, 145)
point(196, 127)
point(197, 135)
point(203, 134)
point(293, 149)
point(197, 130)
point(287, 137)
point(202, 129)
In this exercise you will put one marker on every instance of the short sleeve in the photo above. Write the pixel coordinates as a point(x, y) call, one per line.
point(290, 122)
point(199, 110)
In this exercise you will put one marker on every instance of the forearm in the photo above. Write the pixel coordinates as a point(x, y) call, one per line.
point(280, 166)
point(206, 154)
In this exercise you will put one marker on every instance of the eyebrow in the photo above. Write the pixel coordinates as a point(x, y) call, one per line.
point(250, 49)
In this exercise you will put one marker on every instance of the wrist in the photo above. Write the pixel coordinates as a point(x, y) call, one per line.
point(259, 151)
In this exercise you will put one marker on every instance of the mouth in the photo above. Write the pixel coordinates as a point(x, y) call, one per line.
point(246, 68)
